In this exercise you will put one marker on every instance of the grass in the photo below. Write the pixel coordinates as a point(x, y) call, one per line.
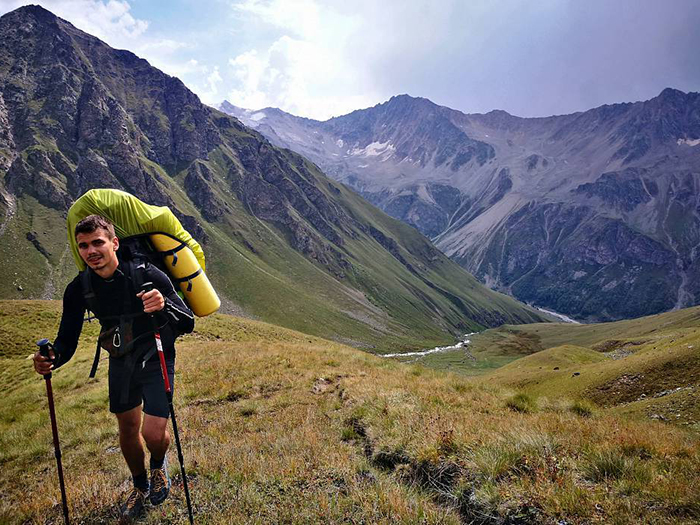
point(282, 427)
point(646, 367)
point(522, 403)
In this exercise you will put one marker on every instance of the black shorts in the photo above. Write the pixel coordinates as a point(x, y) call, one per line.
point(145, 384)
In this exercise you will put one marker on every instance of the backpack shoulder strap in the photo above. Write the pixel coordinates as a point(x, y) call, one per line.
point(137, 272)
point(88, 292)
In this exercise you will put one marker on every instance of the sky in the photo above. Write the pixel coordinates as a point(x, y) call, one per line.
point(324, 58)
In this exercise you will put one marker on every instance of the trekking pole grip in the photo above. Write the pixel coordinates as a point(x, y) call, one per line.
point(44, 347)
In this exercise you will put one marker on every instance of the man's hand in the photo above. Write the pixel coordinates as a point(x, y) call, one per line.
point(153, 301)
point(43, 365)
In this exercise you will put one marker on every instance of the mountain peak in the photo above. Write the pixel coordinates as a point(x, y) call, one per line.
point(227, 106)
point(40, 13)
point(671, 92)
point(405, 99)
point(672, 96)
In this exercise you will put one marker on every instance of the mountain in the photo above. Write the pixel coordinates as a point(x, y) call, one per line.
point(594, 214)
point(284, 243)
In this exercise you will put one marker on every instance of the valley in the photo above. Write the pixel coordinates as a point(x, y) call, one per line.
point(592, 214)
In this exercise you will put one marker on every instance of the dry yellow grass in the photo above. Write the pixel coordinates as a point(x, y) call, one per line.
point(279, 427)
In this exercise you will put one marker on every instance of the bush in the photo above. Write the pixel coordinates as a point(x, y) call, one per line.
point(582, 408)
point(522, 403)
point(608, 465)
point(496, 461)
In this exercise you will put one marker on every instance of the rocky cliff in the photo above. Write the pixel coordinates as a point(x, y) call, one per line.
point(594, 214)
point(285, 243)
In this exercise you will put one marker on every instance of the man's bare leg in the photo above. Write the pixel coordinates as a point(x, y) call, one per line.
point(155, 434)
point(130, 441)
point(132, 449)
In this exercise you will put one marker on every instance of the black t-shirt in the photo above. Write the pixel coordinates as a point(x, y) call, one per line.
point(116, 296)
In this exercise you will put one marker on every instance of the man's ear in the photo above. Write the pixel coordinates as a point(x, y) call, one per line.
point(115, 243)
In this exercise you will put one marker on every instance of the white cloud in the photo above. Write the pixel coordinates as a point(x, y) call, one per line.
point(214, 79)
point(309, 70)
point(107, 20)
point(301, 17)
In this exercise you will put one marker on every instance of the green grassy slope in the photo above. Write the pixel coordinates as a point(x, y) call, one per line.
point(378, 303)
point(494, 348)
point(281, 427)
point(648, 366)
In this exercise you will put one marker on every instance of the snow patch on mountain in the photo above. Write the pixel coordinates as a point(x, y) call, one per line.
point(688, 142)
point(375, 149)
point(424, 195)
point(258, 116)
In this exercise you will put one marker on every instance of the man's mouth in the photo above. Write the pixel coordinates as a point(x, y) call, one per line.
point(94, 258)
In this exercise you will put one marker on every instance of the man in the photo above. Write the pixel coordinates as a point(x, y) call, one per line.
point(127, 333)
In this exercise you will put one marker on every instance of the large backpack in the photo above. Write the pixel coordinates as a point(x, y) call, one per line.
point(148, 235)
point(155, 234)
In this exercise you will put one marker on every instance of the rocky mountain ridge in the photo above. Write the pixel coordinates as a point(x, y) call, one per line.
point(594, 214)
point(284, 242)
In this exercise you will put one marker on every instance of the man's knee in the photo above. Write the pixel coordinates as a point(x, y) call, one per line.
point(129, 423)
point(153, 430)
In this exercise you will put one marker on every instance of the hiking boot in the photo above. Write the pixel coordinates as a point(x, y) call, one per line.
point(135, 505)
point(160, 483)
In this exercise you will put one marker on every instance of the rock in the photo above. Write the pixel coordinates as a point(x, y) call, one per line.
point(199, 191)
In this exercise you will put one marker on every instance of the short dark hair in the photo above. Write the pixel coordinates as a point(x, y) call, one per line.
point(91, 223)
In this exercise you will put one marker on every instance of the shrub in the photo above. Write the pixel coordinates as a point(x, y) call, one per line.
point(582, 408)
point(608, 465)
point(496, 461)
point(522, 403)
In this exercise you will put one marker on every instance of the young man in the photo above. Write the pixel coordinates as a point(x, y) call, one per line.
point(125, 315)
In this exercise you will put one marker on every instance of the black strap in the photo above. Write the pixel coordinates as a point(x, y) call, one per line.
point(88, 292)
point(148, 355)
point(96, 361)
point(173, 252)
point(188, 279)
point(137, 273)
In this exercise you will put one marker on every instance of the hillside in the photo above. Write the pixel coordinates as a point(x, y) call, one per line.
point(593, 214)
point(647, 367)
point(278, 427)
point(284, 243)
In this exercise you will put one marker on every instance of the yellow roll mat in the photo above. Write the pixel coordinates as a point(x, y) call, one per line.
point(183, 266)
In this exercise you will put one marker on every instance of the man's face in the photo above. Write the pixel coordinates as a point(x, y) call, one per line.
point(98, 251)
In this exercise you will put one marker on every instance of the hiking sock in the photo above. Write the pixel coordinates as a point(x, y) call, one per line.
point(141, 481)
point(157, 463)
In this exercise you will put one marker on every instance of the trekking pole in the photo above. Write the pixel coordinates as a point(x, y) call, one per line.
point(147, 287)
point(44, 347)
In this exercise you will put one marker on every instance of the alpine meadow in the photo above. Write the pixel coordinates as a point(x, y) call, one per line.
point(426, 316)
